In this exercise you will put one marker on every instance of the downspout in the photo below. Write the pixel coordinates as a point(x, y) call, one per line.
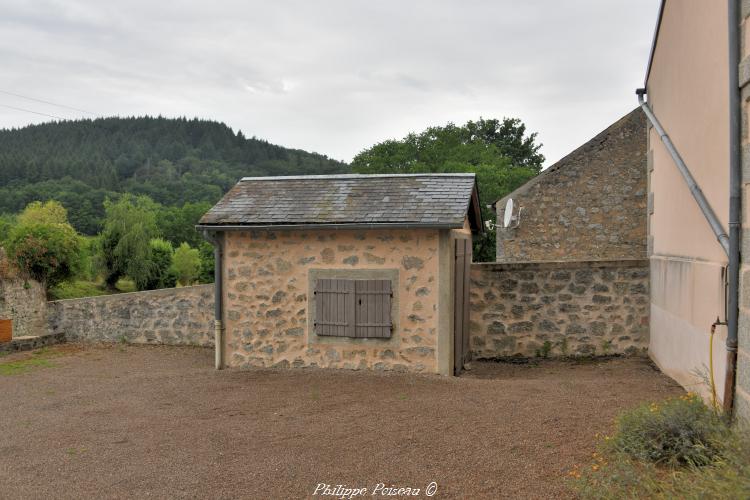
point(735, 206)
point(216, 240)
point(729, 243)
point(695, 190)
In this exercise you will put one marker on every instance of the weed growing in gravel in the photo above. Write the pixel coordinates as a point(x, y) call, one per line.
point(16, 367)
point(679, 448)
point(564, 347)
point(39, 359)
point(679, 431)
point(544, 351)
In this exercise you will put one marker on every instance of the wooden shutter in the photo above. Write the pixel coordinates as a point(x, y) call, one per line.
point(334, 307)
point(373, 308)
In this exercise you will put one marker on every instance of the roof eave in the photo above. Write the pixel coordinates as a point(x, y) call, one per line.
point(653, 42)
point(343, 226)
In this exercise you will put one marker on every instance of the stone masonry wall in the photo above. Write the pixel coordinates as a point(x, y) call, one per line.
point(591, 205)
point(742, 392)
point(268, 277)
point(176, 316)
point(25, 302)
point(576, 308)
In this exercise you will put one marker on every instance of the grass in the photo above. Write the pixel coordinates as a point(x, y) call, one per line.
point(38, 359)
point(84, 288)
point(76, 289)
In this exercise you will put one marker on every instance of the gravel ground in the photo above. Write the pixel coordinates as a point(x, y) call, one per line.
point(159, 422)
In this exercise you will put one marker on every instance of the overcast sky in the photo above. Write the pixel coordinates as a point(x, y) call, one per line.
point(330, 76)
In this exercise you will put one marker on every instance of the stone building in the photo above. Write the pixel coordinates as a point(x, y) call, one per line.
point(591, 205)
point(345, 271)
point(571, 277)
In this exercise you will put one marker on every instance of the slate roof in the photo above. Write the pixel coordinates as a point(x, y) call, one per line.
point(434, 200)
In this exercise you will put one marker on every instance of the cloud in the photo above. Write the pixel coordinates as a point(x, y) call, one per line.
point(332, 76)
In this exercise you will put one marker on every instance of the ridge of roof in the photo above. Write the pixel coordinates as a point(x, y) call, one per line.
point(562, 162)
point(351, 176)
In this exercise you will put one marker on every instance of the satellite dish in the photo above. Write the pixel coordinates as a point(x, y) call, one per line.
point(508, 215)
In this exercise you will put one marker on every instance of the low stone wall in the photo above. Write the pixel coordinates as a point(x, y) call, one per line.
point(25, 302)
point(27, 343)
point(559, 308)
point(176, 316)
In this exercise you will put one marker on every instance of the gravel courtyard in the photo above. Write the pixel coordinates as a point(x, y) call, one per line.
point(122, 421)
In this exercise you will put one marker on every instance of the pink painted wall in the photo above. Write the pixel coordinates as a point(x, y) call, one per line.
point(688, 91)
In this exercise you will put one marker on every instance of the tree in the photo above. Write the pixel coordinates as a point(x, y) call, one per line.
point(206, 251)
point(49, 212)
point(186, 264)
point(161, 274)
point(7, 221)
point(177, 224)
point(44, 245)
point(509, 136)
point(125, 241)
point(499, 152)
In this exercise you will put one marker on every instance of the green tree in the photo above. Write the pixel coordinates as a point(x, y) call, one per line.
point(499, 152)
point(186, 264)
point(44, 245)
point(7, 221)
point(161, 275)
point(48, 212)
point(177, 224)
point(125, 241)
point(206, 251)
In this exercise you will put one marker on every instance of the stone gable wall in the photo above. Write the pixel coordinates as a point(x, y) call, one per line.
point(576, 308)
point(268, 285)
point(25, 302)
point(176, 316)
point(591, 205)
point(742, 392)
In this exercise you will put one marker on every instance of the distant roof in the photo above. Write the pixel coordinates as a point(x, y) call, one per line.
point(635, 116)
point(350, 200)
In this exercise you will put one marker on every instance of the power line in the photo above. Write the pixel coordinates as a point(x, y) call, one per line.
point(35, 112)
point(46, 102)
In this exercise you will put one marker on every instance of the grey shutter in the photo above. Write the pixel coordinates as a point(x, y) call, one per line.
point(334, 307)
point(373, 308)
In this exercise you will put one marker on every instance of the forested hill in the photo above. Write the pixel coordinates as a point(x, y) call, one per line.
point(173, 161)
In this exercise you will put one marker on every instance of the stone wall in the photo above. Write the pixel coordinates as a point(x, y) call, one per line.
point(177, 316)
point(742, 393)
point(268, 286)
point(27, 343)
point(25, 302)
point(559, 308)
point(591, 205)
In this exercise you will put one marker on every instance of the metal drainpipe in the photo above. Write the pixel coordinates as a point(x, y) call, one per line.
point(735, 205)
point(695, 190)
point(216, 240)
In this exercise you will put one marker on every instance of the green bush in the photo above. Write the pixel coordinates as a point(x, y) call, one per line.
point(679, 431)
point(677, 449)
point(49, 253)
point(160, 274)
point(186, 264)
point(206, 251)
